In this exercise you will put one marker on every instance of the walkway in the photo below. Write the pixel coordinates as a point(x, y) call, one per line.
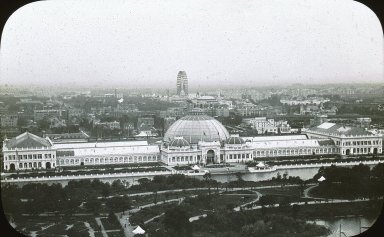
point(160, 192)
point(313, 203)
point(154, 218)
point(238, 208)
point(197, 189)
point(124, 222)
point(124, 216)
point(100, 224)
point(306, 191)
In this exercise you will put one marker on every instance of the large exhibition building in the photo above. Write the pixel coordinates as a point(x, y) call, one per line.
point(193, 139)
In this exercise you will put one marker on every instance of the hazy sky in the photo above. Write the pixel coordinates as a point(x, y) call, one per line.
point(217, 42)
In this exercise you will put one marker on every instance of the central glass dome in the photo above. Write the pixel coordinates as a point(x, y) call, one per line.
point(197, 127)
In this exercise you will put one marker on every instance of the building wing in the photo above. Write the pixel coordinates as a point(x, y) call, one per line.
point(27, 140)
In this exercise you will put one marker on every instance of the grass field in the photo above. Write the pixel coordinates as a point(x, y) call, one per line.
point(53, 226)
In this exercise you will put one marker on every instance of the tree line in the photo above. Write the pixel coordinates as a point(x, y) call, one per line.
point(356, 182)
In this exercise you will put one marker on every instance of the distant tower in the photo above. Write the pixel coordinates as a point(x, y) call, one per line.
point(182, 83)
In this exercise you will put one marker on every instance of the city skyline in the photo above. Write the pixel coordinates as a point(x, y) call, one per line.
point(126, 44)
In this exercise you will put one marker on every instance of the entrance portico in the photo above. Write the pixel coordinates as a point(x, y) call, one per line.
point(210, 152)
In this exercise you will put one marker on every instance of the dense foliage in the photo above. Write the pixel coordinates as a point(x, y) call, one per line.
point(356, 182)
point(238, 224)
point(35, 198)
point(177, 181)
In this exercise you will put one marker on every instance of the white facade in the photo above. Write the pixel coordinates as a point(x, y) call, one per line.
point(350, 140)
point(28, 151)
point(44, 154)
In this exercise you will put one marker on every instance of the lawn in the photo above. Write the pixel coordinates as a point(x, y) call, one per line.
point(149, 212)
point(53, 226)
point(282, 191)
point(205, 204)
point(148, 199)
point(366, 208)
point(111, 223)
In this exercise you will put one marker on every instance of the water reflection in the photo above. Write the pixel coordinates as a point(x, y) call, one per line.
point(350, 226)
point(303, 173)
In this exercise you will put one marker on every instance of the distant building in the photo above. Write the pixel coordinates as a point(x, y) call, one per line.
point(3, 108)
point(205, 101)
point(68, 137)
point(111, 125)
point(318, 119)
point(145, 123)
point(182, 83)
point(173, 112)
point(222, 112)
point(55, 122)
point(263, 125)
point(363, 122)
point(9, 121)
point(47, 113)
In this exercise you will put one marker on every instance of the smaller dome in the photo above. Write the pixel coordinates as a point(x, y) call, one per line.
point(235, 140)
point(179, 142)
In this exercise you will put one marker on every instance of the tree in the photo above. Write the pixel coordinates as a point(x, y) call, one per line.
point(118, 203)
point(207, 176)
point(106, 190)
point(239, 176)
point(257, 229)
point(278, 176)
point(295, 210)
point(117, 185)
point(266, 200)
point(44, 124)
point(93, 205)
point(176, 222)
point(143, 181)
point(21, 122)
point(285, 175)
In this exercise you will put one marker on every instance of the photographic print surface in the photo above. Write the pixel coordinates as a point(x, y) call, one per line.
point(192, 118)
